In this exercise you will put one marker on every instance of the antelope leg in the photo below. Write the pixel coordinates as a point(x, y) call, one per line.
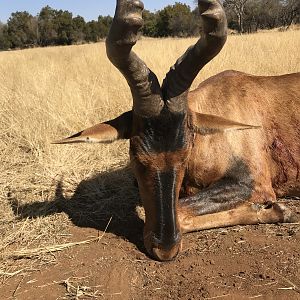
point(210, 214)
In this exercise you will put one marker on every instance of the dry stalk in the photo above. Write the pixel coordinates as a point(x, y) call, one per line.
point(29, 253)
point(10, 274)
point(218, 297)
point(76, 290)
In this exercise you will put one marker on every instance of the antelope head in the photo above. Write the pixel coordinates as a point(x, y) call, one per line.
point(160, 125)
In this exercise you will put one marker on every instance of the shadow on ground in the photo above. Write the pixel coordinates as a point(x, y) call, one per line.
point(111, 195)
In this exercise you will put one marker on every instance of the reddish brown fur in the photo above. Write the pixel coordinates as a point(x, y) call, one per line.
point(163, 161)
point(272, 152)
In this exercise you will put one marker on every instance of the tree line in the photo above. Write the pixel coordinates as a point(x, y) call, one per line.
point(50, 27)
point(248, 16)
point(58, 27)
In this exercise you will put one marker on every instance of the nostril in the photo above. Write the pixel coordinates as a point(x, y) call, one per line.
point(166, 255)
point(166, 242)
point(165, 248)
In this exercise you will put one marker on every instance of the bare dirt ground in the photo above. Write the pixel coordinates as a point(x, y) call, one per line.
point(242, 262)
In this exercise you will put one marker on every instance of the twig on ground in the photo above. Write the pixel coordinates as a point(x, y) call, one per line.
point(293, 286)
point(17, 287)
point(217, 297)
point(256, 296)
point(77, 290)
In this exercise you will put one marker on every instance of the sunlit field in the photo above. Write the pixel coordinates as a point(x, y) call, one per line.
point(47, 94)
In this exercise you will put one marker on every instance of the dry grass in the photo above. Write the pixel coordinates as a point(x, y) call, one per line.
point(47, 94)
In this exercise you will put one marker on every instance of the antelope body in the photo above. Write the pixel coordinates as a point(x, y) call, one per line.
point(196, 168)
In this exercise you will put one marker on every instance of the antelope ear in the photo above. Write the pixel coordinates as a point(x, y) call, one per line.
point(106, 132)
point(209, 124)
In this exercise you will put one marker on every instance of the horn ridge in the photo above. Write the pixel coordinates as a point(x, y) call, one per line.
point(123, 35)
point(213, 37)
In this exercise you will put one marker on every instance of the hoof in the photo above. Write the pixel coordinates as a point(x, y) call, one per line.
point(273, 212)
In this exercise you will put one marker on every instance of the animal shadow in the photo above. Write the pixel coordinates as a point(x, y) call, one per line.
point(110, 195)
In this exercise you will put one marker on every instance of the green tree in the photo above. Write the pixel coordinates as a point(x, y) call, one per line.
point(104, 24)
point(63, 24)
point(21, 29)
point(4, 37)
point(181, 20)
point(290, 12)
point(47, 27)
point(238, 7)
point(261, 14)
point(92, 31)
point(78, 32)
point(175, 20)
point(150, 24)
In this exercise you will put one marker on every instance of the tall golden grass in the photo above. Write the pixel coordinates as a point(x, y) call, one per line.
point(49, 93)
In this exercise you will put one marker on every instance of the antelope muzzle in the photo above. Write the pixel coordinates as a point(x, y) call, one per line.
point(162, 234)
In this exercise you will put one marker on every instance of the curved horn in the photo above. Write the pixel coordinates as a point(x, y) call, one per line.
point(213, 37)
point(145, 88)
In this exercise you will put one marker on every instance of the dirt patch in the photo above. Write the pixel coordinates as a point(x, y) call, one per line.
point(242, 262)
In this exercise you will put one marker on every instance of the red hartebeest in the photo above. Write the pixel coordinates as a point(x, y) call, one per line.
point(195, 168)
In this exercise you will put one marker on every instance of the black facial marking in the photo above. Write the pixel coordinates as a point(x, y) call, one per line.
point(165, 132)
point(235, 187)
point(166, 232)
